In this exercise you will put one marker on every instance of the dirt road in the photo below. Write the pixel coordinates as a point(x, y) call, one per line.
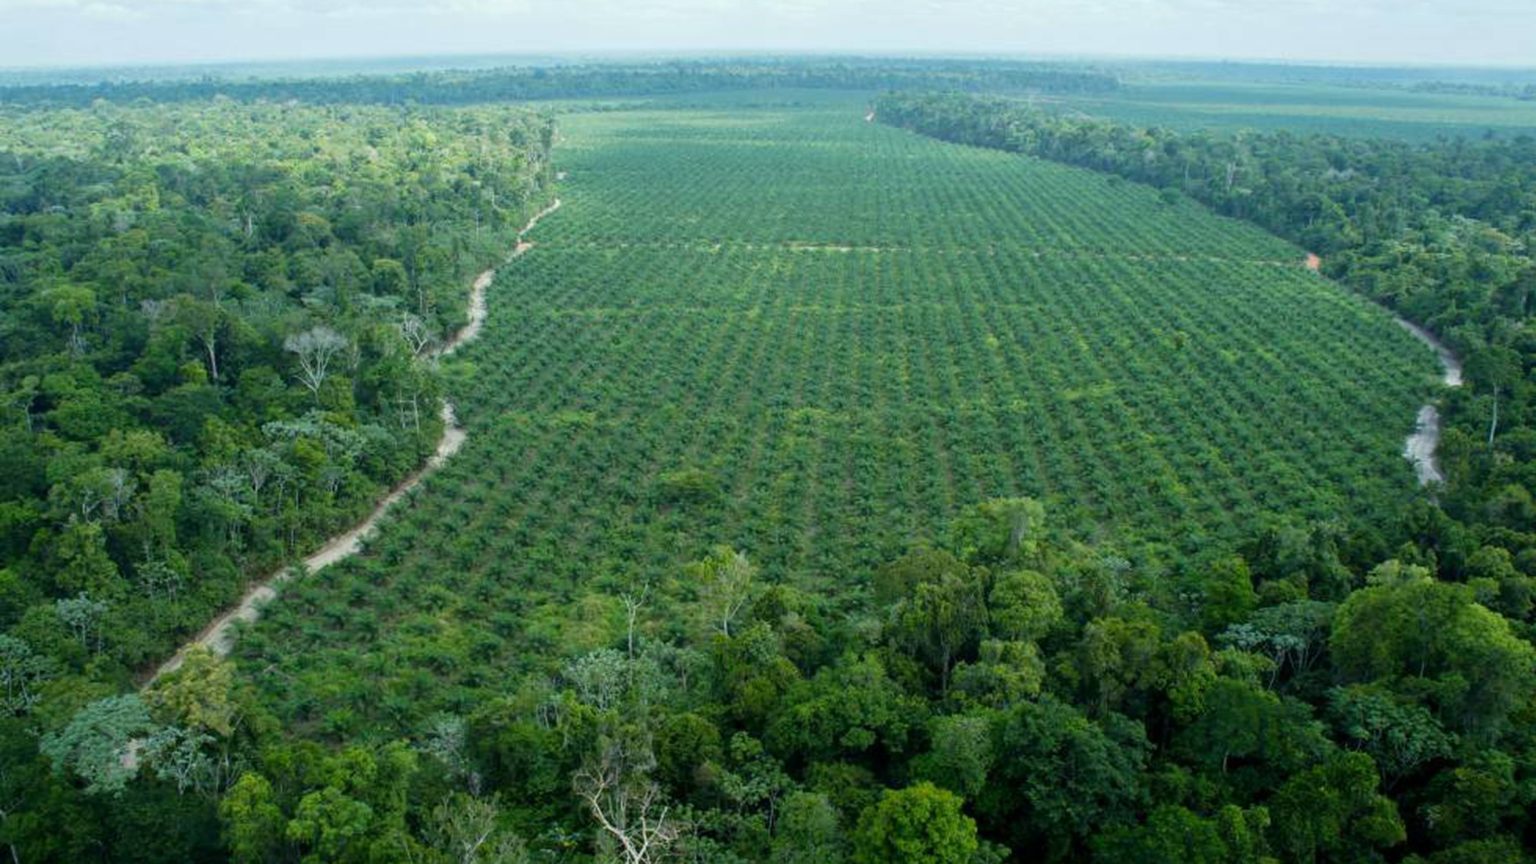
point(219, 635)
point(1420, 447)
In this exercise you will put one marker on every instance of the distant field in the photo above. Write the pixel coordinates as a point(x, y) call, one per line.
point(816, 338)
point(1307, 108)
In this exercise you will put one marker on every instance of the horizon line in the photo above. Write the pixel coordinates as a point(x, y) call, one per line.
point(662, 55)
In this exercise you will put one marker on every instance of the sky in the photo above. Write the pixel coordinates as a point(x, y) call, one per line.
point(127, 32)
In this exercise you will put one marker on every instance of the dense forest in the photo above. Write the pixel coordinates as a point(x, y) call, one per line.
point(216, 322)
point(562, 82)
point(1007, 688)
point(1009, 693)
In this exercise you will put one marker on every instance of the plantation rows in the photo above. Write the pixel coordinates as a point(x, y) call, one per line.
point(932, 400)
point(629, 406)
point(1305, 109)
point(836, 182)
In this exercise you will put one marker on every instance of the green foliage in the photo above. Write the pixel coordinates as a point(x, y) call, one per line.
point(724, 582)
point(688, 486)
point(854, 382)
point(1003, 674)
point(941, 621)
point(356, 810)
point(1291, 635)
point(1222, 102)
point(961, 754)
point(97, 745)
point(1399, 736)
point(563, 81)
point(160, 447)
point(850, 709)
point(199, 695)
point(212, 352)
point(1474, 800)
point(465, 831)
point(253, 824)
point(22, 673)
point(1433, 641)
point(1175, 834)
point(688, 747)
point(1116, 656)
point(1024, 606)
point(1502, 850)
point(754, 674)
point(1241, 720)
point(1333, 812)
point(898, 580)
point(1000, 532)
point(331, 824)
point(809, 832)
point(921, 824)
point(1225, 589)
point(1460, 267)
point(84, 567)
point(1061, 777)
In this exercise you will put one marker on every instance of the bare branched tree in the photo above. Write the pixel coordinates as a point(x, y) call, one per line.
point(154, 311)
point(205, 320)
point(633, 603)
point(627, 805)
point(119, 489)
point(415, 332)
point(727, 586)
point(466, 830)
point(316, 348)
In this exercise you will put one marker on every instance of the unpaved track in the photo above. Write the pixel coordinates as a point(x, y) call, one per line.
point(219, 636)
point(1420, 447)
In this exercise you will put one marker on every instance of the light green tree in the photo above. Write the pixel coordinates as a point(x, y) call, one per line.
point(724, 582)
point(921, 824)
point(941, 622)
point(808, 832)
point(1024, 606)
point(253, 823)
point(199, 695)
point(1421, 636)
point(1332, 812)
point(72, 305)
point(1000, 532)
point(96, 745)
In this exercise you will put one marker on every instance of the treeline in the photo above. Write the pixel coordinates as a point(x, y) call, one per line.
point(561, 82)
point(215, 324)
point(1440, 232)
point(1523, 92)
point(1006, 693)
point(1380, 77)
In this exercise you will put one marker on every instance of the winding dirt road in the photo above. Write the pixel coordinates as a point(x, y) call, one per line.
point(219, 635)
point(1420, 447)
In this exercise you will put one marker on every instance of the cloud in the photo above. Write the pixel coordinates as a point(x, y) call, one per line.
point(58, 32)
point(749, 11)
point(111, 12)
point(289, 7)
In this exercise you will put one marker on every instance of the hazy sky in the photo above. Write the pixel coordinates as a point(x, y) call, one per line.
point(95, 32)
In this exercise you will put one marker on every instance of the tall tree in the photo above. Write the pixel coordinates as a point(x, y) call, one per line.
point(921, 824)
